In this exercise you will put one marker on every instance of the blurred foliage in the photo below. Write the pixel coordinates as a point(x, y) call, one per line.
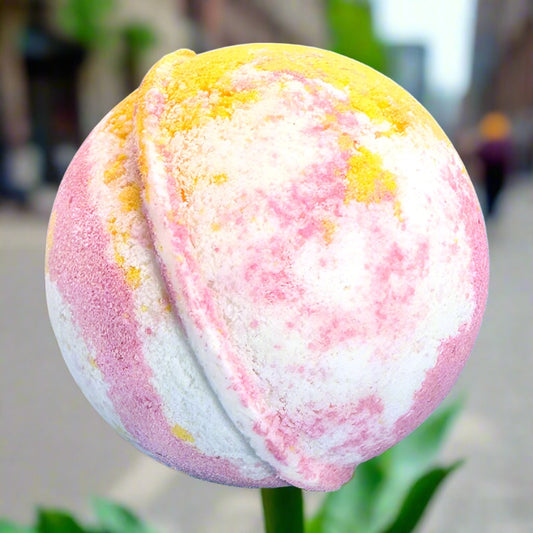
point(110, 518)
point(138, 37)
point(390, 493)
point(352, 32)
point(87, 22)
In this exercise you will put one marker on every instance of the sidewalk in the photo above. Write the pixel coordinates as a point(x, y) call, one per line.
point(56, 451)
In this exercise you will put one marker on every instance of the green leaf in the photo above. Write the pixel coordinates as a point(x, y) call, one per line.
point(374, 496)
point(115, 518)
point(11, 527)
point(350, 508)
point(52, 521)
point(409, 459)
point(418, 450)
point(418, 499)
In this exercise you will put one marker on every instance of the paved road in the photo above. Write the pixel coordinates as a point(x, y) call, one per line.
point(55, 451)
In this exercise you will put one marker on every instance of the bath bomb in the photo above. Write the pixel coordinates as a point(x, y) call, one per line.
point(266, 265)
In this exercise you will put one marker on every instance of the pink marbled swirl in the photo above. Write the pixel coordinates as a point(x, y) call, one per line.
point(266, 266)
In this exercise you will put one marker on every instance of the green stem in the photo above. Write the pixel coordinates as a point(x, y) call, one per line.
point(283, 510)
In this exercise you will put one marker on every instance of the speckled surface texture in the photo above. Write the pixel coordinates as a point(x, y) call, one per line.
point(266, 266)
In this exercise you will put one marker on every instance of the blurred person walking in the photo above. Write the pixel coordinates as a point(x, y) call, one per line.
point(495, 153)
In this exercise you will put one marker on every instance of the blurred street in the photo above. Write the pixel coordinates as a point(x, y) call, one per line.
point(56, 451)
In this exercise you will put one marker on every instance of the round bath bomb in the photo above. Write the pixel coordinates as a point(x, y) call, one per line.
point(266, 265)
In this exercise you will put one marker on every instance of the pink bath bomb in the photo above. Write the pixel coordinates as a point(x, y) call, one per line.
point(266, 265)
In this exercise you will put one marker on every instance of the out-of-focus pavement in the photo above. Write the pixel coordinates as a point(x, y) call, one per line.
point(56, 451)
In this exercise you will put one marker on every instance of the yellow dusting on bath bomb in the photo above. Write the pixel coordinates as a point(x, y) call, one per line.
point(116, 169)
point(182, 433)
point(346, 142)
point(219, 178)
point(366, 179)
point(200, 87)
point(398, 210)
point(185, 91)
point(120, 121)
point(50, 237)
point(119, 259)
point(133, 276)
point(130, 198)
point(367, 90)
point(329, 229)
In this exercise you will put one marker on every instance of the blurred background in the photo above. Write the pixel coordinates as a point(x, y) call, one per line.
point(65, 63)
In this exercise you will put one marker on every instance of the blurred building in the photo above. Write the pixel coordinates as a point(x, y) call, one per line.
point(502, 70)
point(407, 65)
